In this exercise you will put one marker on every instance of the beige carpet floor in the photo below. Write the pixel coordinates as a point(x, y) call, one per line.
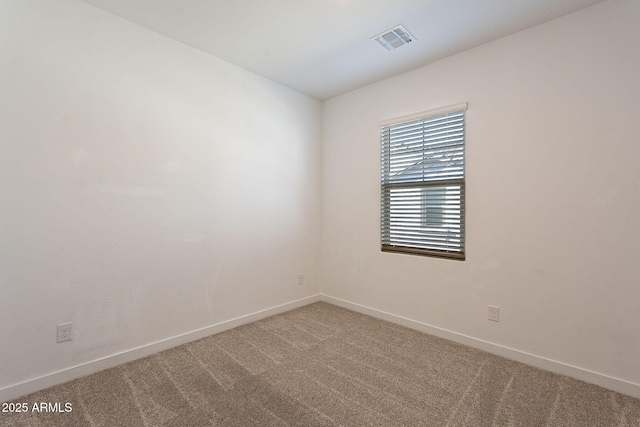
point(322, 365)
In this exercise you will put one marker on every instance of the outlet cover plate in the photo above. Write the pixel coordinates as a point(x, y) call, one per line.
point(65, 332)
point(494, 313)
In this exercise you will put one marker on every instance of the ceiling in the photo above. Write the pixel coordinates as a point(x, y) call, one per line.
point(322, 47)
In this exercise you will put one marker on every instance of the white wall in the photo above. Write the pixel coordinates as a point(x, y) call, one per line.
point(553, 195)
point(146, 189)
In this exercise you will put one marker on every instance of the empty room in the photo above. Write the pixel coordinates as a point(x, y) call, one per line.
point(319, 213)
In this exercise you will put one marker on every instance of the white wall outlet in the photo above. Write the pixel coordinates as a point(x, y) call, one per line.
point(494, 313)
point(300, 279)
point(64, 332)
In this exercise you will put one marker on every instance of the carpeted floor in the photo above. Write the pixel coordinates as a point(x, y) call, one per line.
point(322, 365)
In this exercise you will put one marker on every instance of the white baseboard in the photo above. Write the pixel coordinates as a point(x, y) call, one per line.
point(606, 381)
point(59, 377)
point(68, 374)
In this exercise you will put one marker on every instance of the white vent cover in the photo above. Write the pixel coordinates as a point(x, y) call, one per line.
point(394, 38)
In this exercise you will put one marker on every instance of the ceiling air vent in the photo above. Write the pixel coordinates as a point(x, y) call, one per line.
point(394, 38)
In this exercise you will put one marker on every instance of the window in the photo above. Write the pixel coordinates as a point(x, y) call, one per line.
point(422, 191)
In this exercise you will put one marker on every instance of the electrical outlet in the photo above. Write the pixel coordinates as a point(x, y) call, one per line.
point(494, 313)
point(64, 332)
point(300, 279)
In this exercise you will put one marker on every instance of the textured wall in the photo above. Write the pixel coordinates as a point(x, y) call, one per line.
point(552, 193)
point(147, 189)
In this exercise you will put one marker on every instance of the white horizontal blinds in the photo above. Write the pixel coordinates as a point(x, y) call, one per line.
point(423, 186)
point(424, 149)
